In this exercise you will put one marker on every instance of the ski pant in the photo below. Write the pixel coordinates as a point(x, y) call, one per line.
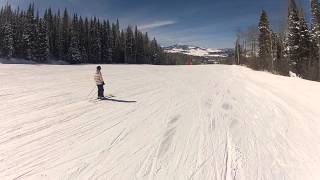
point(100, 91)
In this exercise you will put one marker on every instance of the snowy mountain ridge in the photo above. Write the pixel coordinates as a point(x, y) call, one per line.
point(198, 51)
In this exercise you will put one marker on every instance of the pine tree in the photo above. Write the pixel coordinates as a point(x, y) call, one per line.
point(49, 20)
point(84, 55)
point(117, 49)
point(104, 42)
point(129, 49)
point(237, 52)
point(304, 63)
point(85, 44)
point(265, 47)
point(294, 39)
point(109, 42)
point(139, 53)
point(95, 42)
point(65, 39)
point(299, 42)
point(315, 9)
point(281, 65)
point(55, 41)
point(29, 34)
point(18, 26)
point(75, 56)
point(42, 45)
point(154, 51)
point(121, 46)
point(146, 49)
point(7, 49)
point(36, 37)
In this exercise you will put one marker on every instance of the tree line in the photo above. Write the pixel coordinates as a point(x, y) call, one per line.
point(295, 49)
point(74, 39)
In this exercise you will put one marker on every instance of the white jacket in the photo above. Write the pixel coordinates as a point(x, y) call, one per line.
point(98, 78)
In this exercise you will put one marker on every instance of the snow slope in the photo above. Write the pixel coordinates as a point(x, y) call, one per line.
point(188, 122)
point(198, 51)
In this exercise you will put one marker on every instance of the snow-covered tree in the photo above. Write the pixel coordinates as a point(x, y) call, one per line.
point(74, 51)
point(280, 64)
point(95, 42)
point(109, 42)
point(293, 38)
point(18, 25)
point(42, 46)
point(7, 49)
point(65, 37)
point(299, 42)
point(37, 37)
point(104, 42)
point(154, 51)
point(304, 64)
point(315, 9)
point(29, 34)
point(129, 47)
point(265, 44)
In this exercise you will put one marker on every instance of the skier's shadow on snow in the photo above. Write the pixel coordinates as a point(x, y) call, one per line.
point(117, 100)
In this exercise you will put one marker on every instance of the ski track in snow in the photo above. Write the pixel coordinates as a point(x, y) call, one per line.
point(167, 122)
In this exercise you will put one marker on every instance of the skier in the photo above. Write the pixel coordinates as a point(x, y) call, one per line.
point(100, 82)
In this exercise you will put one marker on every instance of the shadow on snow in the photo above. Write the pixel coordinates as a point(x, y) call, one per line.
point(117, 100)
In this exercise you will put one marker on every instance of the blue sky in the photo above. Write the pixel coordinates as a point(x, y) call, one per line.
point(206, 23)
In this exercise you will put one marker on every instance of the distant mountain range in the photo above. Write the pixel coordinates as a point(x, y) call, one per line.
point(200, 52)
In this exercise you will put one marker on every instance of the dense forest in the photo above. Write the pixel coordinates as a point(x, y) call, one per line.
point(293, 50)
point(27, 35)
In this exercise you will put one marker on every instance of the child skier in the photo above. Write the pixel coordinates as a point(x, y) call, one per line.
point(100, 82)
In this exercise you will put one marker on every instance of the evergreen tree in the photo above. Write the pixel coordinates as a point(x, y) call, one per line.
point(104, 42)
point(154, 52)
point(26, 35)
point(146, 49)
point(7, 49)
point(315, 54)
point(118, 44)
point(18, 26)
point(42, 45)
point(299, 42)
point(75, 56)
point(129, 49)
point(265, 47)
point(29, 34)
point(65, 39)
point(139, 50)
point(85, 44)
point(55, 40)
point(237, 52)
point(296, 50)
point(51, 28)
point(281, 64)
point(109, 42)
point(305, 63)
point(95, 42)
point(294, 39)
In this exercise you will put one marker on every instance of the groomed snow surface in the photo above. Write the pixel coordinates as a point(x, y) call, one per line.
point(165, 122)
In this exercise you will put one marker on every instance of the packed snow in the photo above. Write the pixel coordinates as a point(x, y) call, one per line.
point(164, 122)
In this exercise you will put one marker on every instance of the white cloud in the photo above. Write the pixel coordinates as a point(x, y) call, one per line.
point(156, 24)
